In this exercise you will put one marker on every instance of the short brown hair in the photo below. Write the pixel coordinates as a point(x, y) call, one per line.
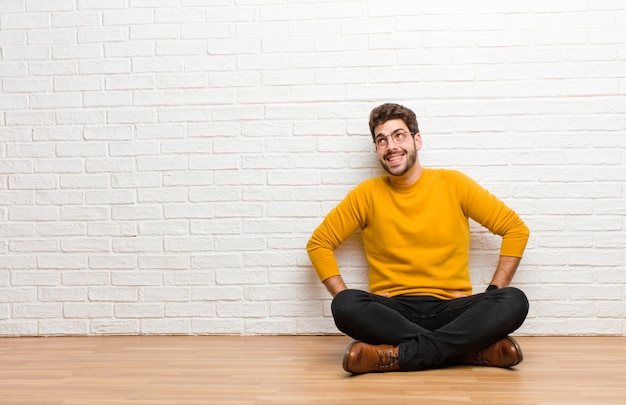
point(389, 111)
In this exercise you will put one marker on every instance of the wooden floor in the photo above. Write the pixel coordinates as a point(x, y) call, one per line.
point(294, 370)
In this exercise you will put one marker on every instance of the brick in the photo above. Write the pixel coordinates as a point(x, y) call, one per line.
point(188, 244)
point(248, 276)
point(241, 310)
point(13, 230)
point(62, 327)
point(60, 229)
point(137, 278)
point(164, 294)
point(248, 244)
point(196, 310)
point(85, 245)
point(347, 9)
point(18, 328)
point(169, 195)
point(34, 245)
point(240, 210)
point(195, 114)
point(110, 197)
point(191, 278)
point(128, 17)
point(160, 131)
point(37, 311)
point(51, 36)
point(135, 180)
point(163, 262)
point(16, 166)
point(114, 327)
point(177, 15)
point(263, 326)
point(31, 278)
point(136, 245)
point(84, 181)
point(29, 20)
point(136, 212)
point(217, 293)
point(61, 261)
point(114, 294)
point(30, 118)
point(161, 163)
point(112, 262)
point(180, 47)
point(84, 116)
point(14, 6)
point(30, 86)
point(28, 53)
point(111, 165)
point(33, 213)
point(217, 326)
point(154, 31)
point(166, 326)
point(87, 310)
point(70, 18)
point(102, 34)
point(13, 102)
point(216, 226)
point(139, 310)
point(157, 64)
point(268, 194)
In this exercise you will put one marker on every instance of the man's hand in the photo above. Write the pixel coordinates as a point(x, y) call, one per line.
point(335, 285)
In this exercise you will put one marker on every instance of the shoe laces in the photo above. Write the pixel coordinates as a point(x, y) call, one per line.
point(387, 359)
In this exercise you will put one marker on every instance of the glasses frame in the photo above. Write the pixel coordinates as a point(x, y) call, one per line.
point(394, 137)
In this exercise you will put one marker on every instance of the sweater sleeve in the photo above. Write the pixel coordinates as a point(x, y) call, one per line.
point(484, 208)
point(339, 224)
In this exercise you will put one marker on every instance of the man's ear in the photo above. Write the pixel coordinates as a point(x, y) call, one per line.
point(418, 141)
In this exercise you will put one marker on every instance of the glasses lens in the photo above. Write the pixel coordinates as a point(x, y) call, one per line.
point(399, 137)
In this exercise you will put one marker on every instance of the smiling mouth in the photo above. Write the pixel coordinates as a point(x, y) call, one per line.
point(394, 157)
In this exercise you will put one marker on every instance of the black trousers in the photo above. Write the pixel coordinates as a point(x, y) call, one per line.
point(430, 332)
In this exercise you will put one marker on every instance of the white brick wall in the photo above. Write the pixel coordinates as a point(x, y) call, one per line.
point(163, 162)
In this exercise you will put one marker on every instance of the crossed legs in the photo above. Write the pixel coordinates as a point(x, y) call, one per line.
point(427, 331)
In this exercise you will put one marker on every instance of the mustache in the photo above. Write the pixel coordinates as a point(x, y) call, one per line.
point(393, 152)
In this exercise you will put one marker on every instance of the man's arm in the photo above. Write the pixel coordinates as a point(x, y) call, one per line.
point(338, 225)
point(493, 214)
point(335, 285)
point(507, 265)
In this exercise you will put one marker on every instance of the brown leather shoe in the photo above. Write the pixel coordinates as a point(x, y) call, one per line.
point(363, 358)
point(504, 353)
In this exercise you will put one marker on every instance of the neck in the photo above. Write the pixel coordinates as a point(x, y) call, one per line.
point(408, 178)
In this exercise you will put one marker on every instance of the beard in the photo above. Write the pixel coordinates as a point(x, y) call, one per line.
point(410, 160)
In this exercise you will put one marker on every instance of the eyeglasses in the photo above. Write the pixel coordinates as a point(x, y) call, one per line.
point(398, 137)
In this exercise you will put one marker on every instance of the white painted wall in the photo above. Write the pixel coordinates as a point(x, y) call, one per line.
point(163, 162)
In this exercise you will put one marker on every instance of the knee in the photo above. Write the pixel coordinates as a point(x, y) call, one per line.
point(516, 301)
point(345, 303)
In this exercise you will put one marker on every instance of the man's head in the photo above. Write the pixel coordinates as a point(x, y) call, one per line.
point(389, 111)
point(395, 134)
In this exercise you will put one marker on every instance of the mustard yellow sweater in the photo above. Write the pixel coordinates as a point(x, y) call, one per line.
point(416, 238)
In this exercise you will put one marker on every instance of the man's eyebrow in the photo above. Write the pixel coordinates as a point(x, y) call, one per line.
point(393, 132)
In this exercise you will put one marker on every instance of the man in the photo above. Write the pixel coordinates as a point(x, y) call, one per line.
point(420, 312)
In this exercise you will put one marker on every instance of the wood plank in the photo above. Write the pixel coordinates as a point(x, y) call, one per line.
point(293, 370)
